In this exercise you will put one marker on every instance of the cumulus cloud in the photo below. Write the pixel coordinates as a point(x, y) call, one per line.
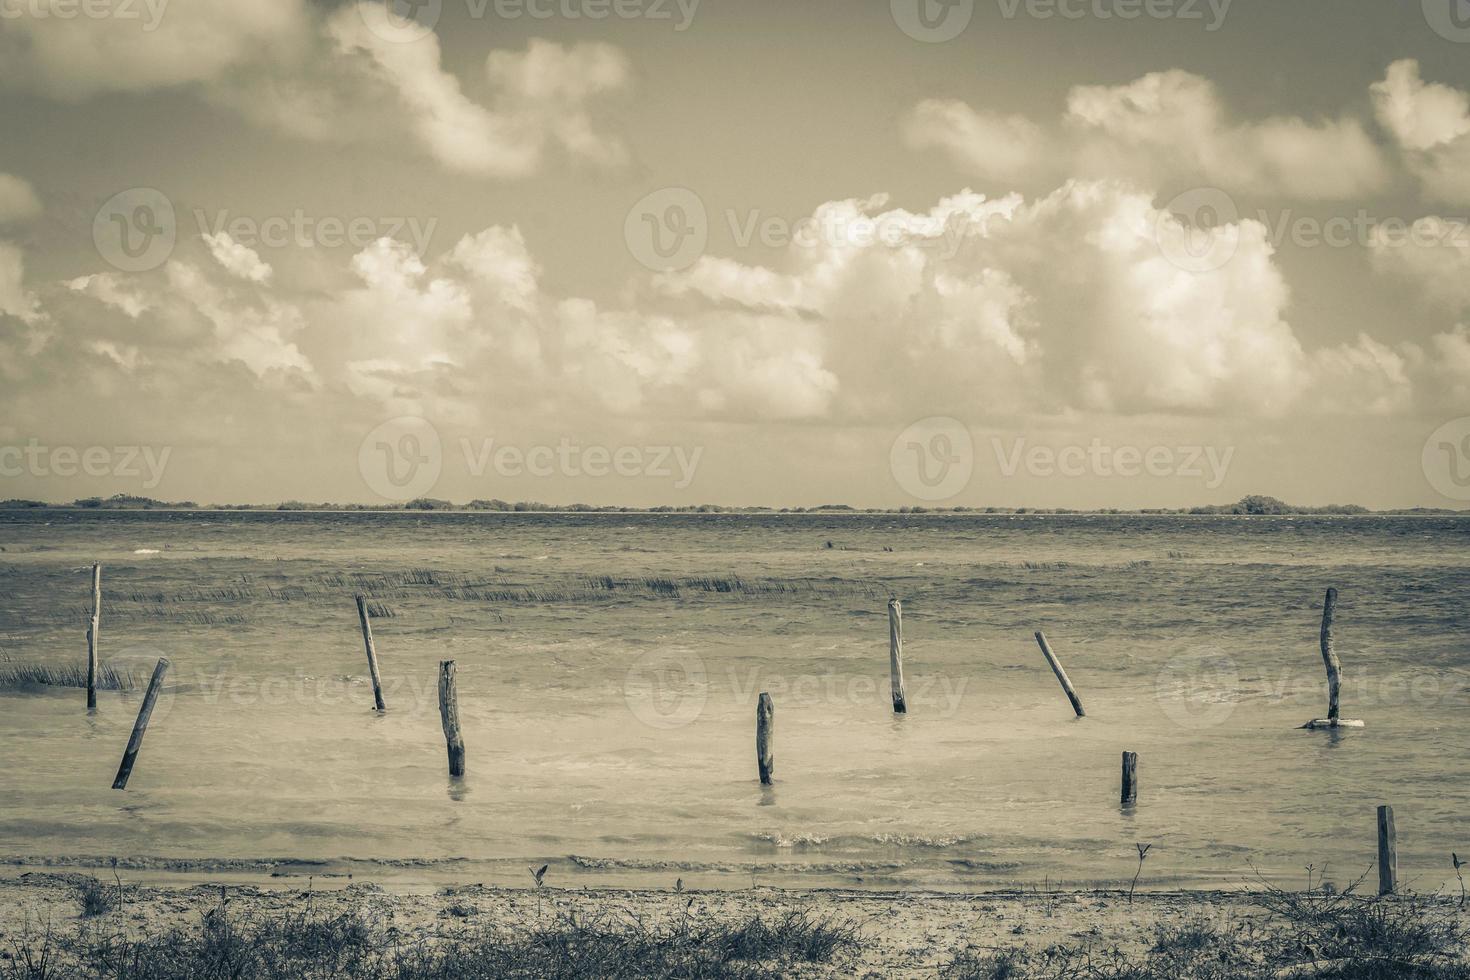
point(1010, 307)
point(1431, 124)
point(1433, 255)
point(73, 57)
point(18, 200)
point(238, 260)
point(15, 299)
point(1165, 126)
point(346, 75)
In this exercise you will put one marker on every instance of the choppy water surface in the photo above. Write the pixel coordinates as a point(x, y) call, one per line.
point(609, 666)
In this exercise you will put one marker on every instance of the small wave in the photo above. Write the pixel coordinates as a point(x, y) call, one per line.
point(795, 840)
point(145, 551)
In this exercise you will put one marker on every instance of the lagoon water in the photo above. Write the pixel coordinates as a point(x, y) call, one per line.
point(608, 670)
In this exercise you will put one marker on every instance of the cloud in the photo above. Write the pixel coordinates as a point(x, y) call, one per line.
point(15, 300)
point(155, 45)
point(238, 260)
point(1431, 124)
point(18, 201)
point(1164, 127)
point(344, 76)
point(1049, 307)
point(1433, 255)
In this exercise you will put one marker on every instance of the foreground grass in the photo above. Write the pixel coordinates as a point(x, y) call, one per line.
point(354, 946)
point(1323, 934)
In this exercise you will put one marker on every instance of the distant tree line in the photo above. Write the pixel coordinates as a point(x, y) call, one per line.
point(1247, 506)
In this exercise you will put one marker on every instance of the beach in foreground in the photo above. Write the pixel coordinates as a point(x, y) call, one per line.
point(87, 926)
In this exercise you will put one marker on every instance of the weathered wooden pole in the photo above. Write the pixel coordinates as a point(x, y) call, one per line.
point(449, 717)
point(765, 734)
point(1388, 852)
point(1056, 668)
point(1334, 671)
point(895, 655)
point(1130, 778)
point(372, 653)
point(145, 711)
point(92, 629)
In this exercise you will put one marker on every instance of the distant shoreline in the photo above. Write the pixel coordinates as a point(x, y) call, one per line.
point(1254, 506)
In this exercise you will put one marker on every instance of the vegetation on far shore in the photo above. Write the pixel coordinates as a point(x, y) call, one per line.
point(1254, 505)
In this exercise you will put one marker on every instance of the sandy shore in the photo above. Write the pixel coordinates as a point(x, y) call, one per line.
point(906, 934)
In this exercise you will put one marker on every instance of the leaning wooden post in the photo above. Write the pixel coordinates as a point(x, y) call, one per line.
point(765, 725)
point(92, 630)
point(449, 717)
point(372, 653)
point(1130, 778)
point(1056, 668)
point(895, 655)
point(1388, 852)
point(1334, 671)
point(135, 741)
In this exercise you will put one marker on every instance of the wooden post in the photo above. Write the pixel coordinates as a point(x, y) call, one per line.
point(1388, 852)
point(372, 653)
point(1334, 671)
point(449, 717)
point(145, 711)
point(895, 655)
point(92, 630)
point(765, 725)
point(1056, 668)
point(1329, 657)
point(1130, 778)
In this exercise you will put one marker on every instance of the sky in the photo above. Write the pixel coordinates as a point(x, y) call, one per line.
point(1047, 253)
